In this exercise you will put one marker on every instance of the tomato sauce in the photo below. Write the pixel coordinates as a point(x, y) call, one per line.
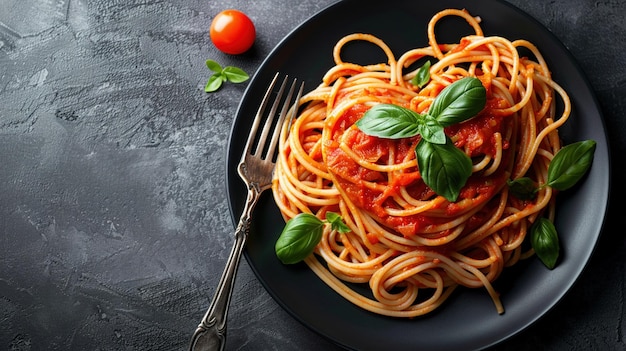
point(476, 136)
point(373, 191)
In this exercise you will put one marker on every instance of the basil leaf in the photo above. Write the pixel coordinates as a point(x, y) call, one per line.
point(431, 130)
point(444, 168)
point(545, 242)
point(299, 238)
point(214, 66)
point(522, 188)
point(337, 223)
point(570, 164)
point(422, 76)
point(229, 73)
point(389, 121)
point(214, 82)
point(459, 101)
point(235, 74)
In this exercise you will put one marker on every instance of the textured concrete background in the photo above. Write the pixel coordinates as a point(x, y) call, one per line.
point(114, 222)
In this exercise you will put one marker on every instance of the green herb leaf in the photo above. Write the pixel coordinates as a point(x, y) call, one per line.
point(337, 223)
point(570, 164)
point(389, 121)
point(214, 82)
point(431, 130)
point(422, 77)
point(235, 75)
point(444, 168)
point(221, 75)
point(545, 242)
point(522, 188)
point(299, 238)
point(459, 101)
point(214, 66)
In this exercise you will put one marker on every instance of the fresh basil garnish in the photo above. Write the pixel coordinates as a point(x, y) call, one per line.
point(302, 233)
point(545, 241)
point(336, 222)
point(422, 76)
point(223, 74)
point(459, 101)
point(570, 164)
point(444, 167)
point(567, 167)
point(299, 238)
point(390, 121)
point(523, 188)
point(432, 131)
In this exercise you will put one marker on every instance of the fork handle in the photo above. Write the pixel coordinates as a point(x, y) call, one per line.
point(211, 332)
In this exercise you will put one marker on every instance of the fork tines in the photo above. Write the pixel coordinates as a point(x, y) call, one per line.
point(262, 148)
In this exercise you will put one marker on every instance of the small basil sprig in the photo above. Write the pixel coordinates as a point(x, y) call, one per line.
point(459, 101)
point(545, 242)
point(523, 188)
point(221, 75)
point(567, 167)
point(336, 222)
point(422, 76)
point(444, 167)
point(570, 164)
point(302, 233)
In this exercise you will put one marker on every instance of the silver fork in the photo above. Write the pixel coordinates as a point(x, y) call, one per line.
point(255, 168)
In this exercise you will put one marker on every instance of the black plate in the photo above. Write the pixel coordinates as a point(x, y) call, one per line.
point(468, 320)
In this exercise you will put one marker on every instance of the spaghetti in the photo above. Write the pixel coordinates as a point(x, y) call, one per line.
point(410, 246)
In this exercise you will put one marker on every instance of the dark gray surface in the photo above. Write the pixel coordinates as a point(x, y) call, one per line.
point(114, 221)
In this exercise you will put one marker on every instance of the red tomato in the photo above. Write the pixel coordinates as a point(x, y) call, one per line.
point(232, 32)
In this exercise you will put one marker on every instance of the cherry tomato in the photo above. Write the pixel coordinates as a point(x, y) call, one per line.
point(232, 32)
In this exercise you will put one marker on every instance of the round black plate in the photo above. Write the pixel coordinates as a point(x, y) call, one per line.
point(468, 320)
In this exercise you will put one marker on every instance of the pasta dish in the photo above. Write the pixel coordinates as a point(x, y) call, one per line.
point(408, 245)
